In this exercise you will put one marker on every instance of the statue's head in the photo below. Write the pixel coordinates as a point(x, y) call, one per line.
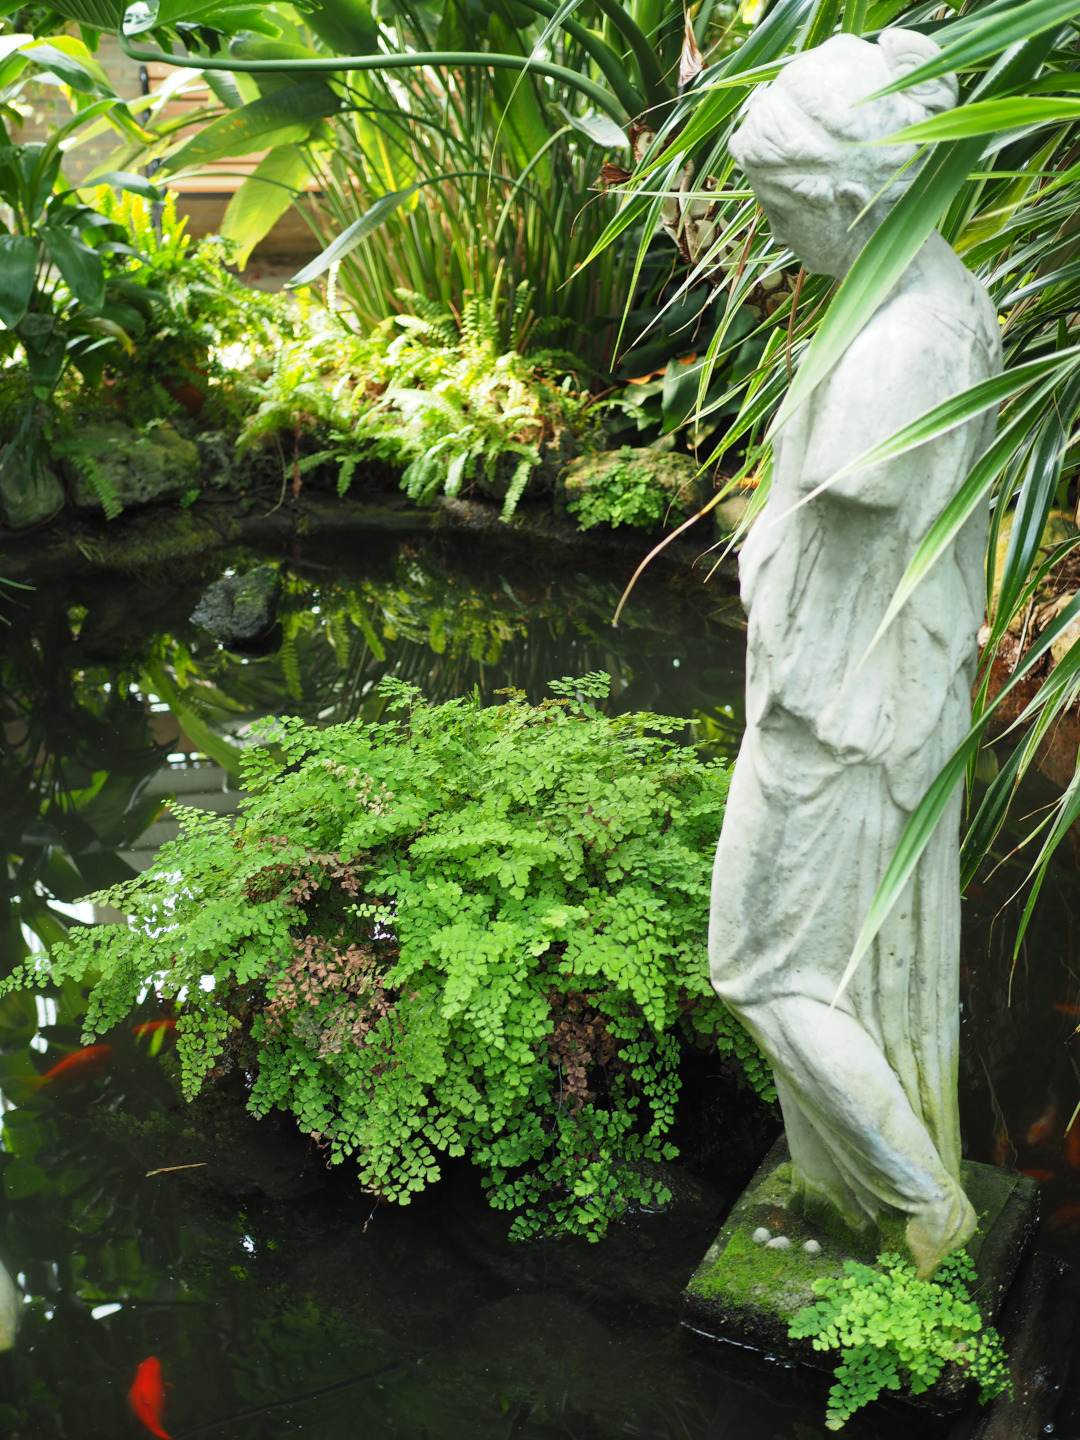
point(805, 144)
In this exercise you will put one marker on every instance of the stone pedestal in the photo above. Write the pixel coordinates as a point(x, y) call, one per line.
point(746, 1291)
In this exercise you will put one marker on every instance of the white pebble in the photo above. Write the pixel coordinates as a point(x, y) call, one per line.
point(811, 1247)
point(760, 1235)
point(781, 1242)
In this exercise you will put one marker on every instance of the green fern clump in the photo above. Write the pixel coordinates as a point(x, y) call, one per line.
point(471, 932)
point(440, 398)
point(894, 1330)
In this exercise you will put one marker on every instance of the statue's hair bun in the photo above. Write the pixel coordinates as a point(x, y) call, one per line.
point(905, 51)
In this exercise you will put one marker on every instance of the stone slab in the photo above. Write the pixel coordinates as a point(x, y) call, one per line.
point(746, 1293)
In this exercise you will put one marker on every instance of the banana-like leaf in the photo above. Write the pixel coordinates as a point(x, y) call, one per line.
point(80, 266)
point(70, 61)
point(279, 119)
point(984, 117)
point(263, 198)
point(195, 727)
point(18, 266)
point(351, 237)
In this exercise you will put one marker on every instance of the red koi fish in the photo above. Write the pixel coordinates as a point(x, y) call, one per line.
point(1072, 1145)
point(79, 1065)
point(1042, 1176)
point(154, 1027)
point(1067, 1009)
point(147, 1396)
point(1042, 1128)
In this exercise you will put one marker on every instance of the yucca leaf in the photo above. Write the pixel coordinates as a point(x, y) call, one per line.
point(928, 813)
point(984, 117)
point(981, 36)
point(878, 267)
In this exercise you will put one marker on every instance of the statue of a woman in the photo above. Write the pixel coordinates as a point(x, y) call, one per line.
point(840, 748)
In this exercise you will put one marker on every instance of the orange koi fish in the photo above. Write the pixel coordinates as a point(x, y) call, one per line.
point(1002, 1147)
point(79, 1065)
point(1067, 1009)
point(1043, 1127)
point(1072, 1145)
point(154, 1027)
point(1042, 1176)
point(147, 1396)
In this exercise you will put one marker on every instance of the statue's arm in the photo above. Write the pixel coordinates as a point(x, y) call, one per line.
point(898, 367)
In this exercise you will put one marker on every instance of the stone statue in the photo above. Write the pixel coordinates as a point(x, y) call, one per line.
point(839, 749)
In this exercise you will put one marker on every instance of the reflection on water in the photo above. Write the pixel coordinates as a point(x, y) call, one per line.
point(278, 1299)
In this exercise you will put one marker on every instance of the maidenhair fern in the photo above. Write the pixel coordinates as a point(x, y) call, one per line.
point(894, 1331)
point(424, 392)
point(470, 932)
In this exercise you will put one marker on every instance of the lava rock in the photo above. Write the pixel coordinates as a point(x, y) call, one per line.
point(134, 468)
point(240, 609)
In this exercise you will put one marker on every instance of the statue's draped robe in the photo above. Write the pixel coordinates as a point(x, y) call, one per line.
point(840, 748)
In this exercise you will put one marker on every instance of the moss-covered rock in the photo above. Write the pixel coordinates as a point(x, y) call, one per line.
point(112, 466)
point(27, 499)
point(641, 487)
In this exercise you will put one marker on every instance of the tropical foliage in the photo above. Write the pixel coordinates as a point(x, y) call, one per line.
point(434, 396)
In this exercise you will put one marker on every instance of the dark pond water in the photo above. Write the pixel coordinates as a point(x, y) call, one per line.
point(277, 1298)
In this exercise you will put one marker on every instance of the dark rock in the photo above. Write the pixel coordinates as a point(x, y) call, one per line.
point(215, 457)
point(747, 1293)
point(27, 499)
point(1038, 1326)
point(240, 609)
point(555, 455)
point(135, 469)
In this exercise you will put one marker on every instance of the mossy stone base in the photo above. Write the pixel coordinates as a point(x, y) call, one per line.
point(745, 1292)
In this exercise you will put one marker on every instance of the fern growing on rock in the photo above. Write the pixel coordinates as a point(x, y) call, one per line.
point(438, 396)
point(470, 931)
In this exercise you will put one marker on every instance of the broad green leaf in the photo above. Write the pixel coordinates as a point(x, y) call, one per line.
point(985, 117)
point(18, 266)
point(600, 129)
point(125, 180)
point(263, 198)
point(351, 237)
point(279, 119)
point(70, 61)
point(80, 266)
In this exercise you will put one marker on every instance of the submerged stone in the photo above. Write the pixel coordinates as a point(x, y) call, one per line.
point(240, 609)
point(112, 460)
point(745, 1292)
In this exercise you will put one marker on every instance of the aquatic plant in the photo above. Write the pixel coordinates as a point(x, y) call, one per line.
point(895, 1331)
point(472, 931)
